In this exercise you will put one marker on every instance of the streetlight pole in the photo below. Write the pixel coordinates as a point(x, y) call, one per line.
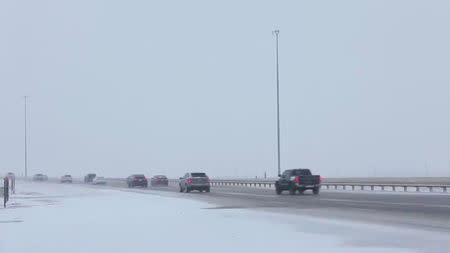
point(25, 134)
point(276, 32)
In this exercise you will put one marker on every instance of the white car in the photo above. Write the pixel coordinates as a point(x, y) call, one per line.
point(66, 179)
point(99, 180)
point(40, 177)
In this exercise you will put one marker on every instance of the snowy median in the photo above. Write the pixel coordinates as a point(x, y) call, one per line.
point(68, 218)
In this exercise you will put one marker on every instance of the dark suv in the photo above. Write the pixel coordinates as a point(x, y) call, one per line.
point(89, 177)
point(137, 180)
point(195, 181)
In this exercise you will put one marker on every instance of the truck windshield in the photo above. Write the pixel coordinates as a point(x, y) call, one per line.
point(198, 174)
point(301, 172)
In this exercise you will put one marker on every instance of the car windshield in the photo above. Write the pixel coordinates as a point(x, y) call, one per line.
point(138, 176)
point(198, 174)
point(161, 177)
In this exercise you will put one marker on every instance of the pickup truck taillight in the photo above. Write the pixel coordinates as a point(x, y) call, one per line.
point(320, 178)
point(297, 179)
point(189, 180)
point(208, 180)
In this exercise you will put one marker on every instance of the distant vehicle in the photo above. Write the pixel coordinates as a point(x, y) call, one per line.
point(137, 180)
point(159, 180)
point(99, 180)
point(298, 180)
point(40, 177)
point(10, 175)
point(66, 179)
point(195, 181)
point(89, 177)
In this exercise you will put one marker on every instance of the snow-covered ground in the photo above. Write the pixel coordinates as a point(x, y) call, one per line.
point(69, 218)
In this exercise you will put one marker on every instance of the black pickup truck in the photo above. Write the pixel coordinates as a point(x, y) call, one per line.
point(298, 180)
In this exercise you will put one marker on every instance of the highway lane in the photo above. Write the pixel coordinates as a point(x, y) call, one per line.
point(425, 211)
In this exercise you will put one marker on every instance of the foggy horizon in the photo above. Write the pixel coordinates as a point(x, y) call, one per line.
point(167, 88)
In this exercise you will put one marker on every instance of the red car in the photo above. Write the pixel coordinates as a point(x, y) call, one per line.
point(159, 180)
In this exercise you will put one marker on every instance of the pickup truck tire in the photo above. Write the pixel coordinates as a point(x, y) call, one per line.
point(207, 189)
point(316, 190)
point(278, 190)
point(302, 191)
point(292, 190)
point(188, 190)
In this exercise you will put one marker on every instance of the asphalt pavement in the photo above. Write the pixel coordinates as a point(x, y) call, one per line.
point(426, 211)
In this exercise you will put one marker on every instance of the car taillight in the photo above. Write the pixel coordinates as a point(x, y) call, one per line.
point(189, 180)
point(208, 180)
point(320, 178)
point(135, 179)
point(297, 179)
point(145, 179)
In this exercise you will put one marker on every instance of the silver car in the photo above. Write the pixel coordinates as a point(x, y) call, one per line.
point(195, 181)
point(66, 179)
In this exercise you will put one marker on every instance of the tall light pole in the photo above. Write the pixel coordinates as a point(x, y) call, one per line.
point(276, 32)
point(25, 134)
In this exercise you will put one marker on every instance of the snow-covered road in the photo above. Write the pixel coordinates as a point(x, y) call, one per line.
point(69, 218)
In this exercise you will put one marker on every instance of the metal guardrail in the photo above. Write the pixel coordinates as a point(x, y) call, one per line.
point(270, 184)
point(262, 183)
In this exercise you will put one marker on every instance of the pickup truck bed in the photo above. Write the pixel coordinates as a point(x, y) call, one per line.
point(298, 180)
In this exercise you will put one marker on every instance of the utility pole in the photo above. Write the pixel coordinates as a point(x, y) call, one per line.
point(25, 134)
point(276, 32)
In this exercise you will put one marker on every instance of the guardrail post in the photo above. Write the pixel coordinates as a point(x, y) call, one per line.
point(362, 187)
point(335, 186)
point(444, 189)
point(405, 188)
point(328, 187)
point(372, 187)
point(344, 187)
point(353, 187)
point(5, 191)
point(417, 189)
point(393, 188)
point(382, 188)
point(430, 188)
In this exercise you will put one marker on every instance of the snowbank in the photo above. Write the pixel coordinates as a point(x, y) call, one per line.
point(68, 218)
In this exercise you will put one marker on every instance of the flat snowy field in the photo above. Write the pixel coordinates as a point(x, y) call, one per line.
point(71, 218)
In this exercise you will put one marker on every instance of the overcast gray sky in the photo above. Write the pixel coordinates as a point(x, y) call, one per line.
point(118, 87)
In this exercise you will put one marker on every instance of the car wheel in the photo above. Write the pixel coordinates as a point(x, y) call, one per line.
point(208, 189)
point(278, 190)
point(316, 190)
point(187, 189)
point(292, 190)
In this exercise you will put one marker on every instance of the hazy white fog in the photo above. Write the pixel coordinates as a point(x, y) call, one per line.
point(118, 87)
